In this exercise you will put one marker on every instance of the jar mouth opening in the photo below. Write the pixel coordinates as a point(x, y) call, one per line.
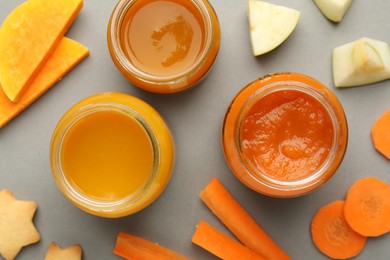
point(116, 23)
point(77, 195)
point(322, 170)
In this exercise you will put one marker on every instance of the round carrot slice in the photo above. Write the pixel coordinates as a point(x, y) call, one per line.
point(332, 235)
point(367, 207)
point(380, 134)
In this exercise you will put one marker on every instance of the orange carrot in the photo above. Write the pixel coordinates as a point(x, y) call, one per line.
point(133, 247)
point(239, 221)
point(67, 55)
point(367, 207)
point(380, 134)
point(332, 235)
point(220, 244)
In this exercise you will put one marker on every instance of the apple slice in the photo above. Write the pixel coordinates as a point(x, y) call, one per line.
point(361, 62)
point(270, 25)
point(334, 10)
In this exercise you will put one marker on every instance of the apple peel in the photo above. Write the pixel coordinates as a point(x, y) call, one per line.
point(270, 25)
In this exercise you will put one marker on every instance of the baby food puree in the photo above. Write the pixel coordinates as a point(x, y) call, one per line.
point(287, 134)
point(162, 37)
point(163, 46)
point(284, 134)
point(99, 155)
point(112, 154)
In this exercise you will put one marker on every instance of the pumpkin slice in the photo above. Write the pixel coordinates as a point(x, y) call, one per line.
point(67, 55)
point(28, 37)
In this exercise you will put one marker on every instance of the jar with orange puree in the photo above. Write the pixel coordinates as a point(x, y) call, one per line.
point(284, 135)
point(111, 154)
point(164, 46)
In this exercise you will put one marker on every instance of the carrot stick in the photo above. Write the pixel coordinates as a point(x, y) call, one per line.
point(133, 247)
point(220, 244)
point(380, 134)
point(239, 222)
point(332, 235)
point(367, 207)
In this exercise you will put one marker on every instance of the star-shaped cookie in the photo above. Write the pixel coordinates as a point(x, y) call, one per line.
point(16, 227)
point(57, 253)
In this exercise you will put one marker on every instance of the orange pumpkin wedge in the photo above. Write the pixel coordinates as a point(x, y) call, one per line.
point(67, 55)
point(28, 36)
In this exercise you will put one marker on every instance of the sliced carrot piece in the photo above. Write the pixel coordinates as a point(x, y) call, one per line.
point(239, 221)
point(367, 207)
point(220, 244)
point(67, 55)
point(133, 247)
point(28, 36)
point(332, 235)
point(380, 134)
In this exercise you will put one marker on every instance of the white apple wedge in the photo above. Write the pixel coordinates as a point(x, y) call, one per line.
point(334, 10)
point(269, 25)
point(361, 62)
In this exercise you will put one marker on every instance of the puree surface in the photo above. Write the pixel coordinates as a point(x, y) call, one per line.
point(162, 37)
point(287, 135)
point(107, 155)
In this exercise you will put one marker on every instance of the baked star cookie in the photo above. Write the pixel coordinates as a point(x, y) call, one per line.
point(16, 227)
point(57, 253)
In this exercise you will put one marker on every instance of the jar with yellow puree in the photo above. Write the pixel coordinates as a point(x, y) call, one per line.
point(284, 135)
point(111, 154)
point(164, 46)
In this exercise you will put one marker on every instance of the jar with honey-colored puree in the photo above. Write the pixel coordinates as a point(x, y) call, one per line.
point(111, 154)
point(164, 46)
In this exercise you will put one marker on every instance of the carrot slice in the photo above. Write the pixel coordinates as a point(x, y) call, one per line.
point(239, 221)
point(67, 55)
point(380, 134)
point(367, 207)
point(133, 247)
point(28, 36)
point(332, 235)
point(220, 244)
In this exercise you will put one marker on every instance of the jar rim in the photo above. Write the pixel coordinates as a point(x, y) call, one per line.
point(115, 24)
point(76, 195)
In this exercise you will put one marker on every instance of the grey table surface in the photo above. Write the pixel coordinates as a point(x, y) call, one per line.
point(195, 119)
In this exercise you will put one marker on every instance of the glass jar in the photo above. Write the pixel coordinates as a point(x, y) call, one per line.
point(111, 154)
point(164, 46)
point(284, 135)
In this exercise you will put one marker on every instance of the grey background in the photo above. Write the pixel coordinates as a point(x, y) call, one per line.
point(195, 119)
